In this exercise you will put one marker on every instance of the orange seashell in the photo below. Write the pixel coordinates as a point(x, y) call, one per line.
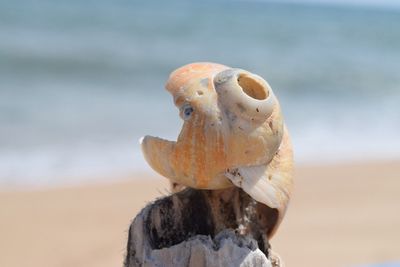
point(233, 135)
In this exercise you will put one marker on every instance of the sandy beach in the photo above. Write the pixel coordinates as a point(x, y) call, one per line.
point(340, 215)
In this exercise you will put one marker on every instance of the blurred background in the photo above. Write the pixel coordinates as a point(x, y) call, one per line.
point(82, 81)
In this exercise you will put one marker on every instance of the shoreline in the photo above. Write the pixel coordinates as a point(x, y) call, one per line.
point(339, 215)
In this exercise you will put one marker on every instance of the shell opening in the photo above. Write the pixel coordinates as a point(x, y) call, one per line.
point(252, 87)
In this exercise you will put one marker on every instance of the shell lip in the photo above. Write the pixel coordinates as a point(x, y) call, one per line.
point(258, 80)
point(145, 140)
point(142, 140)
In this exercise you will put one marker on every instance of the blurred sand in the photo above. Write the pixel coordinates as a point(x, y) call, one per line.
point(342, 215)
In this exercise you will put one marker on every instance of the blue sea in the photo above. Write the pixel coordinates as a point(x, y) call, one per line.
point(82, 81)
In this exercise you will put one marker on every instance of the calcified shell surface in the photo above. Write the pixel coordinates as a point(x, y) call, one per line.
point(233, 135)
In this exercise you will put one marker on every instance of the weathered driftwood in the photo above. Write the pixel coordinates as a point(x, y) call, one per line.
point(202, 228)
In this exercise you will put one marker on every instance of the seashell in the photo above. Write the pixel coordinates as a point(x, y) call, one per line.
point(233, 135)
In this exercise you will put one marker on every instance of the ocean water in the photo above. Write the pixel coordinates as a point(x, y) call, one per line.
point(82, 81)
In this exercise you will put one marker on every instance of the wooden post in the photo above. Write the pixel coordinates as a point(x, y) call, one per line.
point(202, 228)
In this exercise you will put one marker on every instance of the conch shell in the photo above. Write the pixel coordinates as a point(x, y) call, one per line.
point(233, 135)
